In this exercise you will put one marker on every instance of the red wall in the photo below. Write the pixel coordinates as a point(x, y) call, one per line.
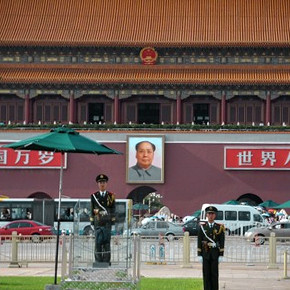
point(194, 175)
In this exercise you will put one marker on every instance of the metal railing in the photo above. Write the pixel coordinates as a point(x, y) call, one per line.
point(151, 250)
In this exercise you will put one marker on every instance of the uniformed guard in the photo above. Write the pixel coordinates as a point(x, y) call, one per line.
point(102, 218)
point(210, 248)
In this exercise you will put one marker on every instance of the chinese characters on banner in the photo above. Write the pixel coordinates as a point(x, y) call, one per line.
point(26, 159)
point(258, 158)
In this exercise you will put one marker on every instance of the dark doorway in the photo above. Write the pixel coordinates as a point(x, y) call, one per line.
point(139, 193)
point(148, 113)
point(201, 113)
point(96, 112)
point(40, 195)
point(250, 199)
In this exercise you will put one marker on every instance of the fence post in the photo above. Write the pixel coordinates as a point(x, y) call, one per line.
point(285, 265)
point(136, 258)
point(64, 258)
point(70, 255)
point(249, 256)
point(186, 251)
point(272, 252)
point(14, 262)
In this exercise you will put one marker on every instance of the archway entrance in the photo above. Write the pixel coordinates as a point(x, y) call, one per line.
point(250, 199)
point(139, 193)
point(40, 195)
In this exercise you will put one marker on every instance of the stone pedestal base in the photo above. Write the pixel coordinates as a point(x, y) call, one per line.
point(52, 287)
point(101, 264)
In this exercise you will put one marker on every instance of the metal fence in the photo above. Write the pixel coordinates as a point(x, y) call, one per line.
point(23, 250)
point(237, 249)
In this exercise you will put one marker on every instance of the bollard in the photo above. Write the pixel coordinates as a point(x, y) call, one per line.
point(186, 251)
point(272, 252)
point(14, 263)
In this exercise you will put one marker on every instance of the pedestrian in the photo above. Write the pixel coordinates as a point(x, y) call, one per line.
point(102, 218)
point(210, 248)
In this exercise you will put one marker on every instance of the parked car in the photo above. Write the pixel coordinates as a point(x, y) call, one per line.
point(157, 228)
point(258, 234)
point(191, 226)
point(27, 228)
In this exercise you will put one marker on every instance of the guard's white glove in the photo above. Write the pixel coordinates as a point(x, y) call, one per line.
point(200, 259)
point(221, 259)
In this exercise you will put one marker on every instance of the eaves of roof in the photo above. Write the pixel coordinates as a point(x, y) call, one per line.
point(88, 74)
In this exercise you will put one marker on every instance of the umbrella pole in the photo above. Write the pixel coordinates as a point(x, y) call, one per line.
point(58, 218)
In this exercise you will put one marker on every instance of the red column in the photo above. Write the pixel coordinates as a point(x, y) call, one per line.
point(72, 113)
point(223, 109)
point(116, 109)
point(178, 108)
point(268, 109)
point(27, 109)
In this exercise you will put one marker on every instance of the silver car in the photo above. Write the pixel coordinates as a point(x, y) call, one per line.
point(258, 234)
point(157, 228)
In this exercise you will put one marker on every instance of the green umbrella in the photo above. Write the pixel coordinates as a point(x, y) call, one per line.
point(284, 205)
point(269, 204)
point(63, 140)
point(196, 213)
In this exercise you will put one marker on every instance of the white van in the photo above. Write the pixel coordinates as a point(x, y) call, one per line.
point(236, 218)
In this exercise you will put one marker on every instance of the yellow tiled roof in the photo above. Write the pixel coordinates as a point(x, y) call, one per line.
point(139, 74)
point(158, 23)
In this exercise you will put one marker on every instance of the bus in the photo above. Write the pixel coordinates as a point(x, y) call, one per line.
point(237, 219)
point(74, 213)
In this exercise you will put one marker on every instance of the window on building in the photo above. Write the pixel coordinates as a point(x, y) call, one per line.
point(166, 113)
point(96, 112)
point(246, 110)
point(281, 111)
point(148, 113)
point(50, 109)
point(201, 109)
point(11, 109)
point(200, 113)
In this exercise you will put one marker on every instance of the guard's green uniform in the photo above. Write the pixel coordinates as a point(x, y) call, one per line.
point(103, 222)
point(210, 252)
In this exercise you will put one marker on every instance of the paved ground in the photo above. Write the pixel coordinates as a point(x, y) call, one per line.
point(232, 275)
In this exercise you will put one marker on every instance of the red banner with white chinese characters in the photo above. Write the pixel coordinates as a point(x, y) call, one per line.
point(258, 158)
point(27, 159)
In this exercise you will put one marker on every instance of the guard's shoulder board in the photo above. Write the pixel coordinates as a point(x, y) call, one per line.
point(111, 194)
point(222, 226)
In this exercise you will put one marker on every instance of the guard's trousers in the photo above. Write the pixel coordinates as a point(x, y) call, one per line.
point(103, 244)
point(210, 272)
